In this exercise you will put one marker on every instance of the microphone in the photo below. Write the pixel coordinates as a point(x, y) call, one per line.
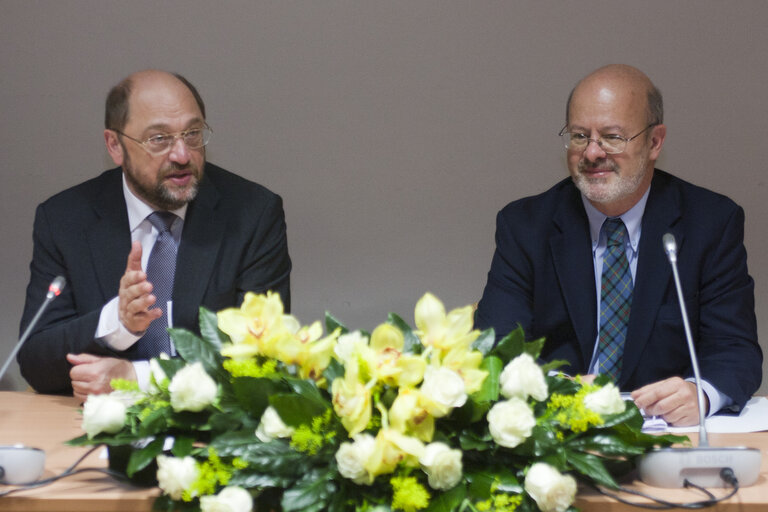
point(702, 465)
point(20, 464)
point(54, 290)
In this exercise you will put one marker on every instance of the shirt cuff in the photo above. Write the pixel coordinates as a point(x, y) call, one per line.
point(111, 331)
point(142, 374)
point(717, 400)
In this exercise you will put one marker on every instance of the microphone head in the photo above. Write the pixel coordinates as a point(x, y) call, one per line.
point(57, 285)
point(670, 245)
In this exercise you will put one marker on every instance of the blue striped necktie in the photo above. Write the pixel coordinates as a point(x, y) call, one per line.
point(615, 299)
point(161, 268)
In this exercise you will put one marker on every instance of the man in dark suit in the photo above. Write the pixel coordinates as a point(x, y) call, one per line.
point(546, 273)
point(228, 235)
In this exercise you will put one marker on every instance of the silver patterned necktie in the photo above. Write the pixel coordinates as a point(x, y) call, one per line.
point(161, 268)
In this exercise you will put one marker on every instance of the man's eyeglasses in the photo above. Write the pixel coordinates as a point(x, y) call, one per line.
point(611, 143)
point(160, 144)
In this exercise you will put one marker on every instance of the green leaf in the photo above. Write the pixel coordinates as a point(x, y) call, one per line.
point(480, 481)
point(335, 370)
point(170, 366)
point(192, 349)
point(591, 467)
point(533, 348)
point(296, 410)
point(155, 423)
point(182, 446)
point(553, 365)
point(489, 391)
point(253, 393)
point(250, 479)
point(605, 444)
point(447, 500)
point(141, 458)
point(510, 346)
point(274, 458)
point(209, 328)
point(412, 342)
point(631, 417)
point(485, 342)
point(544, 441)
point(312, 401)
point(331, 324)
point(311, 493)
point(83, 440)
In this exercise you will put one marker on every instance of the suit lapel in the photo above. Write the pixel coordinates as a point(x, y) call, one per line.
point(572, 258)
point(653, 270)
point(109, 238)
point(200, 241)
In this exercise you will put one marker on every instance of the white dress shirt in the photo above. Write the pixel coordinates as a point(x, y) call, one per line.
point(110, 330)
point(633, 221)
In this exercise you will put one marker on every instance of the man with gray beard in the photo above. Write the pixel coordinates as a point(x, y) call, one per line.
point(583, 263)
point(144, 245)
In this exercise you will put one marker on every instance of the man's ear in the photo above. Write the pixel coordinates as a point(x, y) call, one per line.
point(114, 148)
point(658, 134)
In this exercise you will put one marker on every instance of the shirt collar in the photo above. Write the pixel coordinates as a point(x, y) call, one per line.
point(632, 219)
point(138, 210)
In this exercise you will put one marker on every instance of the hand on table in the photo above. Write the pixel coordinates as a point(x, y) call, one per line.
point(673, 399)
point(92, 374)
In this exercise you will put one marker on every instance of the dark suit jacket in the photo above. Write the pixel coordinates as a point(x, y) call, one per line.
point(542, 277)
point(233, 241)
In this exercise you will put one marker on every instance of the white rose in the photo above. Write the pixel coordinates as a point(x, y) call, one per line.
point(192, 389)
point(351, 458)
point(552, 491)
point(272, 426)
point(606, 400)
point(230, 499)
point(442, 465)
point(522, 378)
point(103, 413)
point(175, 475)
point(445, 387)
point(510, 422)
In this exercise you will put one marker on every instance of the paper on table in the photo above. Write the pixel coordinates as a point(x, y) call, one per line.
point(753, 418)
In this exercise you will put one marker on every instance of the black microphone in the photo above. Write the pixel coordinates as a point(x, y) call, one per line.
point(21, 464)
point(702, 465)
point(54, 289)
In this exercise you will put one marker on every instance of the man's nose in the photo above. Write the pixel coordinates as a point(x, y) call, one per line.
point(179, 151)
point(594, 151)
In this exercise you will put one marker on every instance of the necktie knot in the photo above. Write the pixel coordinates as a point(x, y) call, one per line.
point(161, 220)
point(615, 230)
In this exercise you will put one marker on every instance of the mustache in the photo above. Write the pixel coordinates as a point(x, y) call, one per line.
point(603, 164)
point(175, 167)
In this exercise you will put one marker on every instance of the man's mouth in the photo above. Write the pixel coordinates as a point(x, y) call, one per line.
point(180, 178)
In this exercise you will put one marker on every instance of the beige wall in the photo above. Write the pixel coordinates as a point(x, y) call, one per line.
point(394, 130)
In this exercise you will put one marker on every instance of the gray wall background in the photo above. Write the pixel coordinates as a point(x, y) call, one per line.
point(394, 130)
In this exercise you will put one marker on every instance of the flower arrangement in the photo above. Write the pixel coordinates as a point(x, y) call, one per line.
point(260, 412)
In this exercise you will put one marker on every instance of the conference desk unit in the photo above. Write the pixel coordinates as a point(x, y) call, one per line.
point(46, 422)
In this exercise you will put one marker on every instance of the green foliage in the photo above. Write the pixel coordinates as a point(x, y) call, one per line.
point(300, 472)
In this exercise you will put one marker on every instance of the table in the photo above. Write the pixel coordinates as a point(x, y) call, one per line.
point(46, 422)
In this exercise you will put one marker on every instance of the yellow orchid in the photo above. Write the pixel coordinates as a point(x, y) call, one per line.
point(408, 416)
point(392, 448)
point(351, 400)
point(441, 331)
point(291, 348)
point(317, 356)
point(257, 327)
point(466, 363)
